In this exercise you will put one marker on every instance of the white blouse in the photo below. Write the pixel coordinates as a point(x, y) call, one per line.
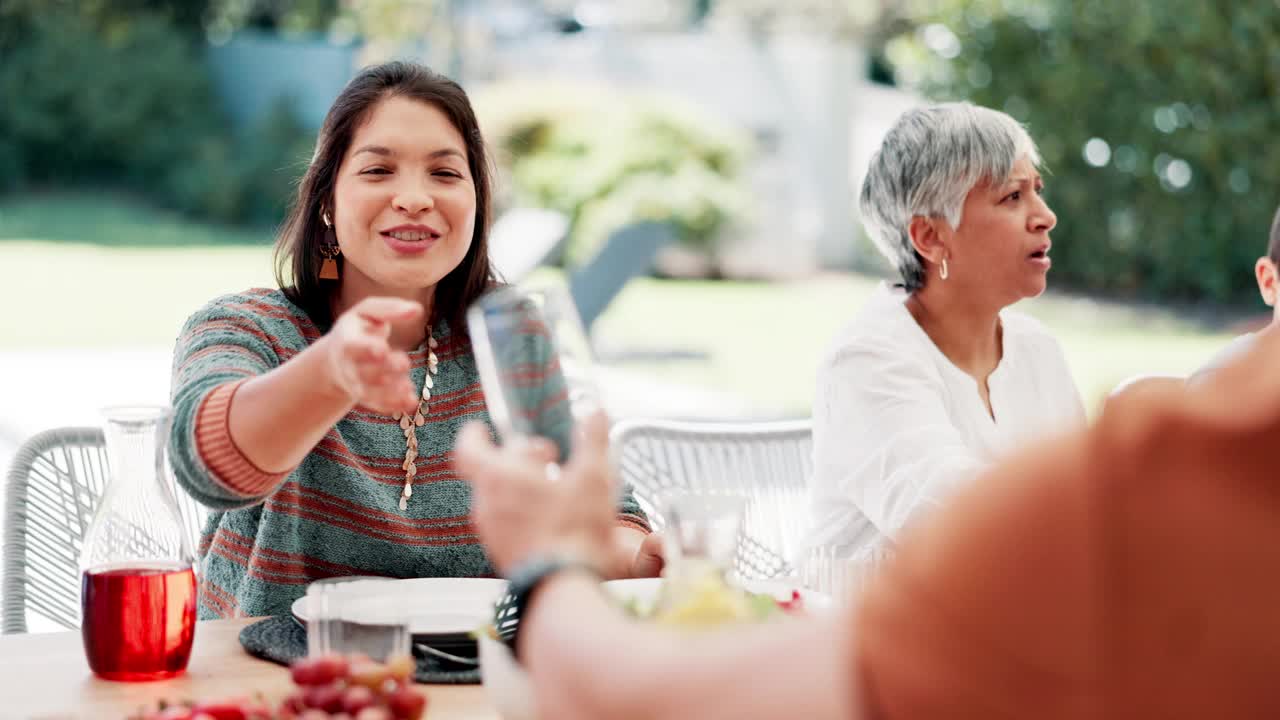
point(897, 426)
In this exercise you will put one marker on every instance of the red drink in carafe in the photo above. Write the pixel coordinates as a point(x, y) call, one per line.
point(138, 622)
point(137, 586)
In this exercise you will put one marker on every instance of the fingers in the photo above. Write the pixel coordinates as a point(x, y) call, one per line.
point(374, 375)
point(650, 558)
point(540, 450)
point(388, 309)
point(589, 461)
point(472, 451)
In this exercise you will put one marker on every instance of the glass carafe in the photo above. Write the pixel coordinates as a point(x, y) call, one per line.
point(701, 542)
point(138, 588)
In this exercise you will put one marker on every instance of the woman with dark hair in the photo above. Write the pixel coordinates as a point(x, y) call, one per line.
point(316, 420)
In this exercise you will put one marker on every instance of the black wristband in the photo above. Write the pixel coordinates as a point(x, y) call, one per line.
point(523, 582)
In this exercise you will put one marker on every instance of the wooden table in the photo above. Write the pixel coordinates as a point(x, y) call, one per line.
point(46, 677)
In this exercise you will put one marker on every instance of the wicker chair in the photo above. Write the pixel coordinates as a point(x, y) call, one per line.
point(767, 463)
point(54, 485)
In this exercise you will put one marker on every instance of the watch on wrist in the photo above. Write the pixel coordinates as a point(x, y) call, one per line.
point(522, 583)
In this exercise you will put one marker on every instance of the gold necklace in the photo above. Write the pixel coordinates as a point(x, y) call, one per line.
point(410, 425)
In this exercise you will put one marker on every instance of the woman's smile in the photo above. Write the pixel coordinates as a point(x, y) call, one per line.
point(410, 239)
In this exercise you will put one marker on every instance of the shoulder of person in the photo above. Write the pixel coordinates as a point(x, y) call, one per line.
point(882, 328)
point(260, 305)
point(880, 357)
point(1225, 355)
point(1236, 406)
point(1027, 332)
point(262, 312)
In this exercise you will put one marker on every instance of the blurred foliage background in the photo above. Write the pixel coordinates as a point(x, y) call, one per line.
point(129, 171)
point(117, 95)
point(1154, 118)
point(608, 158)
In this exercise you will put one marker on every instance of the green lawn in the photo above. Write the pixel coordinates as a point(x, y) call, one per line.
point(127, 284)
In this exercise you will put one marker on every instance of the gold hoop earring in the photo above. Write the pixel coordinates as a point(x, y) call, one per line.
point(943, 273)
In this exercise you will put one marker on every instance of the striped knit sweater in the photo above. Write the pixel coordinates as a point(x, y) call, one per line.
point(268, 535)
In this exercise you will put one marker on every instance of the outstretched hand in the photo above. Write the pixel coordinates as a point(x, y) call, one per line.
point(362, 363)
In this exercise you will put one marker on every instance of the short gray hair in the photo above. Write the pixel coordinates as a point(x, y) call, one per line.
point(927, 164)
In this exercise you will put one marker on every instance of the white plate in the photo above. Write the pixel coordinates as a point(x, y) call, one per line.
point(437, 606)
point(645, 591)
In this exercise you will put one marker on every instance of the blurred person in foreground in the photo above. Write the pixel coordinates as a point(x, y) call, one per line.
point(935, 378)
point(316, 420)
point(1267, 272)
point(1121, 571)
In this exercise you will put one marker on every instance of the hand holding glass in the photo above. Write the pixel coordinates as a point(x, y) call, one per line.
point(535, 363)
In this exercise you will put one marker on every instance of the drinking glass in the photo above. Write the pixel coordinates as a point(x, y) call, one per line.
point(535, 363)
point(700, 542)
point(350, 616)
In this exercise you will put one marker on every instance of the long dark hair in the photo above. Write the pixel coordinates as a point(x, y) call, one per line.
point(297, 251)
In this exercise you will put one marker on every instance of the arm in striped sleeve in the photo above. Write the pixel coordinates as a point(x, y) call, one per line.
point(221, 346)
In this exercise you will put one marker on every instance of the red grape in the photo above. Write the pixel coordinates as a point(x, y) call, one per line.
point(318, 670)
point(368, 673)
point(324, 697)
point(295, 703)
point(331, 687)
point(407, 703)
point(374, 713)
point(357, 698)
point(333, 666)
point(305, 671)
point(225, 710)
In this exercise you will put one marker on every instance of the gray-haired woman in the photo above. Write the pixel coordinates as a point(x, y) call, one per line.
point(934, 378)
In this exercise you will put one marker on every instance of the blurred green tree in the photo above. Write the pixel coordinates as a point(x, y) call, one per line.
point(117, 95)
point(607, 158)
point(1156, 119)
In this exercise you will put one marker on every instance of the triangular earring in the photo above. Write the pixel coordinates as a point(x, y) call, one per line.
point(330, 251)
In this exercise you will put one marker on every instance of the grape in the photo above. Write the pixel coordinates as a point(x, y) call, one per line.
point(305, 671)
point(331, 687)
point(368, 673)
point(324, 697)
point(294, 703)
point(333, 666)
point(401, 667)
point(225, 710)
point(374, 713)
point(318, 670)
point(407, 703)
point(357, 698)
